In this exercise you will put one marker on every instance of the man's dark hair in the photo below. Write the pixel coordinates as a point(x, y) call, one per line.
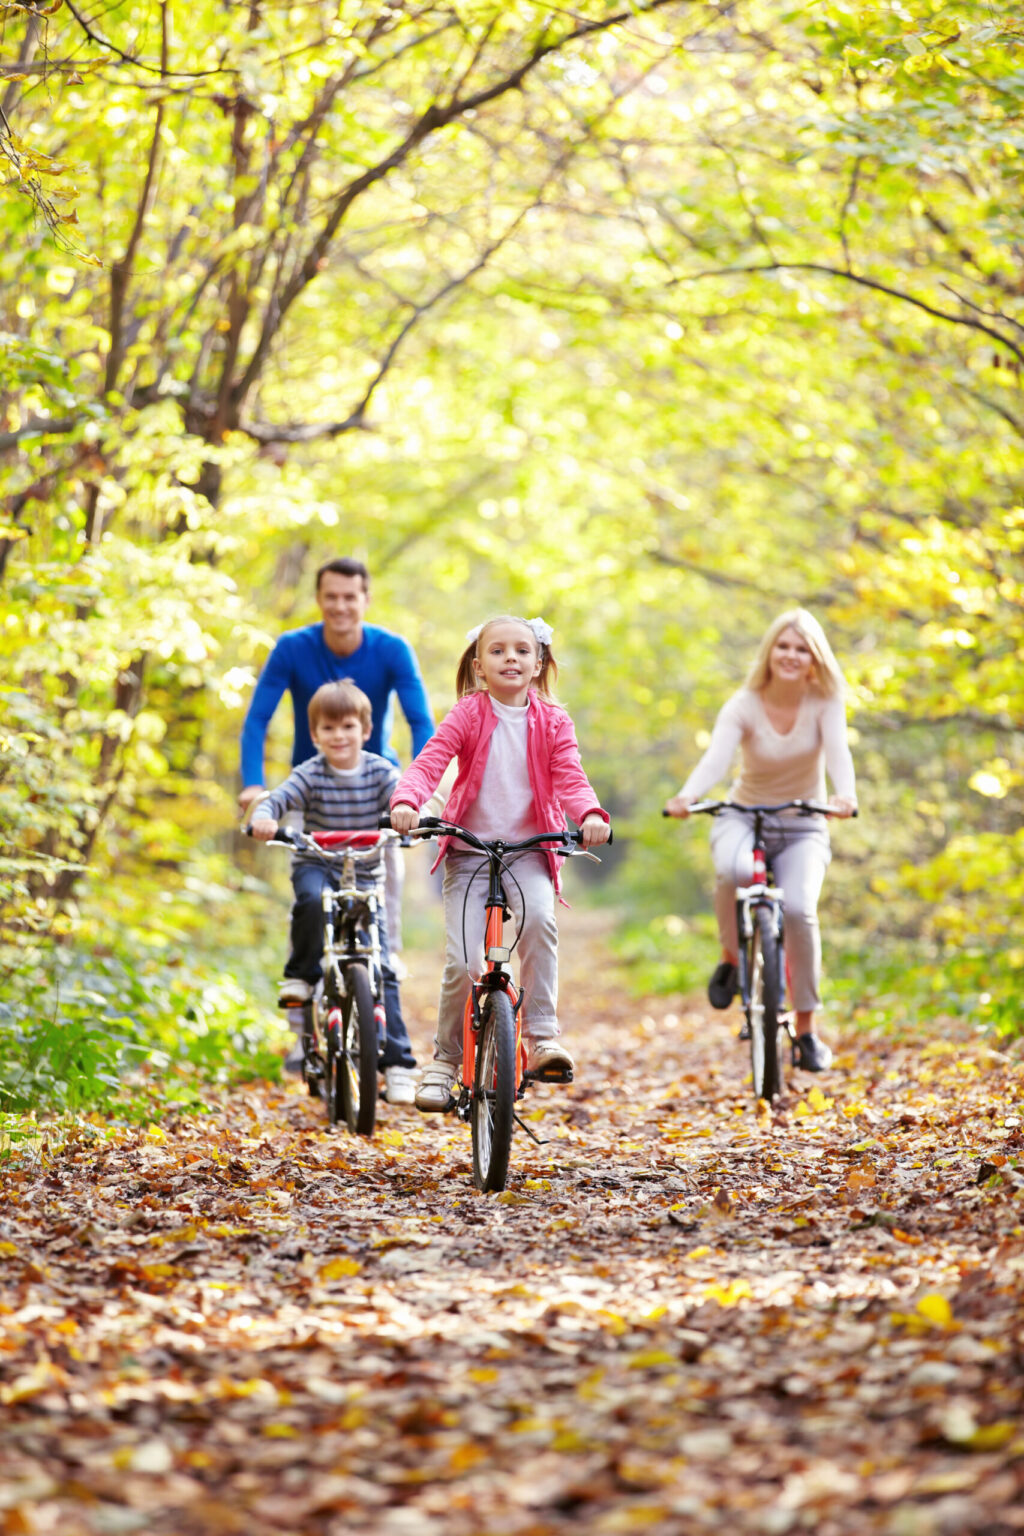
point(344, 566)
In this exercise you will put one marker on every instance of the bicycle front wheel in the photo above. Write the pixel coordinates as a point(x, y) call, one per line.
point(355, 1066)
point(764, 1010)
point(494, 1092)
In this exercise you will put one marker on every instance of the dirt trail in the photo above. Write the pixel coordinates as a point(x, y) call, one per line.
point(679, 1317)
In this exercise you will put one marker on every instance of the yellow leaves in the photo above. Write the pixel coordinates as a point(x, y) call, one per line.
point(935, 1309)
point(816, 1103)
point(186, 1234)
point(8, 1251)
point(728, 1295)
point(931, 1311)
point(650, 1359)
point(483, 1373)
point(338, 1269)
point(43, 1376)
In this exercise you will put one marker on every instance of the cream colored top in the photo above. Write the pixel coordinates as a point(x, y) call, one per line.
point(777, 765)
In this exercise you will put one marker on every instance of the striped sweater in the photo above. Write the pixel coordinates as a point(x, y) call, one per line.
point(333, 799)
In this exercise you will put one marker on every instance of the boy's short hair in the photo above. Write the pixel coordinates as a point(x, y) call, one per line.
point(333, 701)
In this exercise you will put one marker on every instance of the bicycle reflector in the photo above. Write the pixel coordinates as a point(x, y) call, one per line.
point(499, 953)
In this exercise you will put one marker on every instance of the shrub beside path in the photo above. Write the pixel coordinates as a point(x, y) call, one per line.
point(681, 1316)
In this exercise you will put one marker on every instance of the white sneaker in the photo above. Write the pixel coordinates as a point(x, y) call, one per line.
point(294, 990)
point(434, 1093)
point(549, 1061)
point(400, 1085)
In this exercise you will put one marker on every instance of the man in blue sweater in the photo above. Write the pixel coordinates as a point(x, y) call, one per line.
point(343, 648)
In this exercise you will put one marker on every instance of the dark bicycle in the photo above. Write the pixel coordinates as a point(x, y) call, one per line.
point(760, 925)
point(344, 1023)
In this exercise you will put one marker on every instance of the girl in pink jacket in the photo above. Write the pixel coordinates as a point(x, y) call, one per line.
point(519, 772)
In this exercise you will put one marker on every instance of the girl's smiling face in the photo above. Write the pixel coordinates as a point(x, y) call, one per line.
point(507, 661)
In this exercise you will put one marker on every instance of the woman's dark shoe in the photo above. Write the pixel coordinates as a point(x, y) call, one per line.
point(812, 1054)
point(722, 986)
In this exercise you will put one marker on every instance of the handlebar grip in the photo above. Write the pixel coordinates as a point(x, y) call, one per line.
point(384, 821)
point(286, 835)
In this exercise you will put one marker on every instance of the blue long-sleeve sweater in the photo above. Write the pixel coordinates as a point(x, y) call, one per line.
point(383, 665)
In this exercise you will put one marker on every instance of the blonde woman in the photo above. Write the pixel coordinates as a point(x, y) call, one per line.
point(788, 724)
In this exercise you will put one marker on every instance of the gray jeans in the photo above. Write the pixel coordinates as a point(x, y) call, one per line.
point(799, 851)
point(537, 948)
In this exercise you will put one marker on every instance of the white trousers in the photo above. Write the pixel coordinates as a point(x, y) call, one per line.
point(799, 852)
point(531, 899)
point(394, 879)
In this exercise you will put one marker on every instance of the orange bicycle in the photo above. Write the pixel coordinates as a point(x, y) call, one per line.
point(494, 1074)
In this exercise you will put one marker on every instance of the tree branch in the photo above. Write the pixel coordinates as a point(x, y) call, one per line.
point(121, 272)
point(863, 282)
point(431, 121)
point(39, 426)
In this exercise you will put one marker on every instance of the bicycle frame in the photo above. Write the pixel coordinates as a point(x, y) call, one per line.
point(349, 908)
point(760, 895)
point(348, 911)
point(493, 978)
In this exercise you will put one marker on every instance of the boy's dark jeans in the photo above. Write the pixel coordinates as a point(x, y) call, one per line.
point(308, 882)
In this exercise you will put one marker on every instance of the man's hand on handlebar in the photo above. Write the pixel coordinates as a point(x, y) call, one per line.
point(679, 806)
point(594, 831)
point(404, 818)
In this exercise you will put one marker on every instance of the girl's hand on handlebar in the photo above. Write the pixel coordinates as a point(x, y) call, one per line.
point(595, 831)
point(263, 828)
point(404, 818)
point(840, 806)
point(679, 805)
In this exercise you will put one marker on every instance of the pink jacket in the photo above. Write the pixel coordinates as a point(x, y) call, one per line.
point(552, 759)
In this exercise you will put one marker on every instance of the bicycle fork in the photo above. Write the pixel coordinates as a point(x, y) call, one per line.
point(495, 978)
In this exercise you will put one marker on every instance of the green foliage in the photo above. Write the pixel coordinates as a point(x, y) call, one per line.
point(655, 328)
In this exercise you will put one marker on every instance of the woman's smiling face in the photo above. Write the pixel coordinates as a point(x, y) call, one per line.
point(791, 659)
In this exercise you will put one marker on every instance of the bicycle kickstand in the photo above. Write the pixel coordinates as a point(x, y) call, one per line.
point(541, 1141)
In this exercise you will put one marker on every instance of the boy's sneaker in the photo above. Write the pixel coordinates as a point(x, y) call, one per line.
point(722, 986)
point(549, 1061)
point(434, 1094)
point(293, 990)
point(812, 1054)
point(399, 1085)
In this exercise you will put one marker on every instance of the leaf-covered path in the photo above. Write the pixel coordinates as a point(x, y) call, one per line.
point(678, 1318)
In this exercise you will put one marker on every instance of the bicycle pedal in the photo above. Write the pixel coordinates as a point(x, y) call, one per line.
point(550, 1075)
point(744, 1033)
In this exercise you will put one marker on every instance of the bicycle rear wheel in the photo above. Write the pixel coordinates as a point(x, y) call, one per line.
point(494, 1092)
point(355, 1066)
point(763, 1015)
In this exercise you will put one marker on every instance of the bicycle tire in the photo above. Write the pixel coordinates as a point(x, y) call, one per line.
point(332, 1051)
point(492, 1113)
point(356, 1063)
point(764, 1008)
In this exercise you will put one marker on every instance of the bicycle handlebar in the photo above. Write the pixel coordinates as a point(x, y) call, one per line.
point(360, 842)
point(436, 826)
point(804, 807)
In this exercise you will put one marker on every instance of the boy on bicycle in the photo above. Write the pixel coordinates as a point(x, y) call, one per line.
point(343, 786)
